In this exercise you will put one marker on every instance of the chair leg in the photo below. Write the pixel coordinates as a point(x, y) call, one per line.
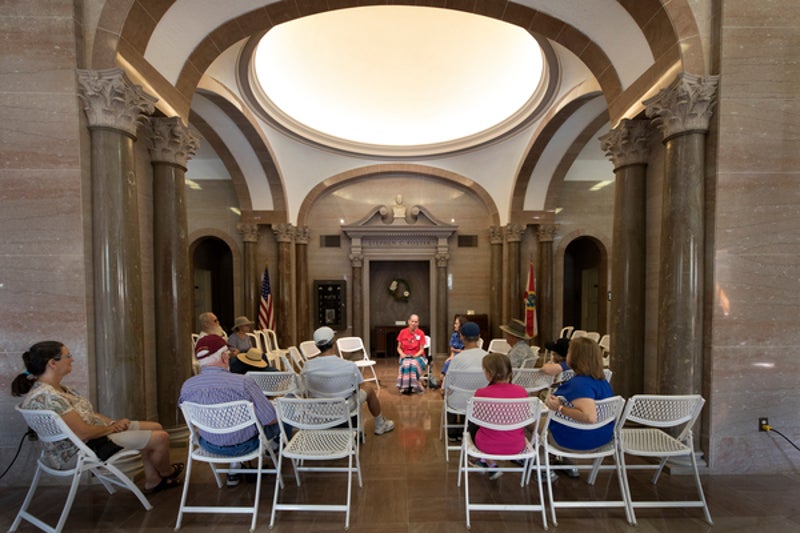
point(700, 489)
point(130, 485)
point(185, 490)
point(277, 490)
point(464, 463)
point(258, 491)
point(73, 490)
point(28, 497)
point(622, 479)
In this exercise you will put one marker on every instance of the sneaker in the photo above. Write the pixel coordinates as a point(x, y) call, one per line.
point(572, 472)
point(569, 472)
point(233, 480)
point(386, 427)
point(543, 476)
point(495, 474)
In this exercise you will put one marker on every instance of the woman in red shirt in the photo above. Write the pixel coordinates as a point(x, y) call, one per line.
point(411, 349)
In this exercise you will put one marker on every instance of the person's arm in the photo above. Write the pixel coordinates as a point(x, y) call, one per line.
point(265, 412)
point(86, 431)
point(582, 410)
point(551, 369)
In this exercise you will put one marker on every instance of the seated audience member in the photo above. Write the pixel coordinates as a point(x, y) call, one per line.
point(411, 349)
point(329, 362)
point(209, 325)
point(516, 337)
point(557, 353)
point(239, 340)
point(47, 363)
point(253, 360)
point(455, 343)
point(216, 384)
point(470, 358)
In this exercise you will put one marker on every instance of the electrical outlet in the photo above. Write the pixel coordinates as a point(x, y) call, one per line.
point(762, 423)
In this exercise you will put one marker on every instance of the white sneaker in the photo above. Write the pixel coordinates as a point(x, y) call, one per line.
point(386, 427)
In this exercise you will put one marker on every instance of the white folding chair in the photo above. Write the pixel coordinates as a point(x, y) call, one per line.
point(503, 415)
point(318, 436)
point(609, 411)
point(426, 377)
point(296, 358)
point(336, 385)
point(578, 333)
point(595, 336)
point(309, 349)
point(499, 346)
point(353, 345)
point(459, 386)
point(274, 384)
point(533, 379)
point(655, 413)
point(605, 345)
point(224, 418)
point(255, 340)
point(195, 338)
point(269, 344)
point(51, 428)
point(566, 332)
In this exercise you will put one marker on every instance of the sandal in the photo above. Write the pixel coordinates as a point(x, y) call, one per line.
point(177, 470)
point(166, 483)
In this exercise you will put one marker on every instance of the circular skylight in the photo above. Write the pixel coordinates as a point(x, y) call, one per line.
point(398, 76)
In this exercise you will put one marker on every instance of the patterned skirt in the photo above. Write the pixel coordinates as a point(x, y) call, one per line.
point(411, 368)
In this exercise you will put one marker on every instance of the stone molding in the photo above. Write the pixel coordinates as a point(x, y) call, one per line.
point(302, 235)
point(283, 232)
point(111, 100)
point(248, 231)
point(441, 260)
point(547, 232)
point(356, 260)
point(514, 232)
point(171, 142)
point(685, 106)
point(495, 235)
point(627, 144)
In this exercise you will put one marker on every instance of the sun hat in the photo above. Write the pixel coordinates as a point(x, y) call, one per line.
point(241, 321)
point(515, 329)
point(252, 357)
point(209, 345)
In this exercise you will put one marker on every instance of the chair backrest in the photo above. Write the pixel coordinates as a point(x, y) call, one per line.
point(595, 336)
point(195, 337)
point(313, 413)
point(577, 333)
point(480, 343)
point(505, 414)
point(566, 332)
point(533, 379)
point(609, 411)
point(568, 374)
point(309, 349)
point(50, 427)
point(460, 386)
point(605, 342)
point(255, 340)
point(274, 384)
point(347, 346)
point(331, 384)
point(499, 346)
point(664, 411)
point(220, 418)
point(297, 358)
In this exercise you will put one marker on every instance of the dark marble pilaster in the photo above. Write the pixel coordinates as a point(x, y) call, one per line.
point(628, 147)
point(682, 113)
point(545, 310)
point(441, 299)
point(251, 276)
point(513, 288)
point(284, 319)
point(357, 262)
point(496, 280)
point(115, 107)
point(171, 145)
point(304, 330)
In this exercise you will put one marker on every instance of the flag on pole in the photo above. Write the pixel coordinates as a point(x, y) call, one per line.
point(531, 329)
point(266, 315)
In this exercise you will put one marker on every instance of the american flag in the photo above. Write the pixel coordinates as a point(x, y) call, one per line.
point(531, 328)
point(266, 315)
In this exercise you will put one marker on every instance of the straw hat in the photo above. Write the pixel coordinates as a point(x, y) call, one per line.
point(241, 321)
point(252, 357)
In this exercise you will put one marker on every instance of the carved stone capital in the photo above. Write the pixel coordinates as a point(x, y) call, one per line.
point(546, 232)
point(283, 232)
point(110, 100)
point(248, 231)
point(628, 143)
point(514, 232)
point(441, 260)
point(685, 106)
point(301, 235)
point(171, 142)
point(495, 235)
point(356, 260)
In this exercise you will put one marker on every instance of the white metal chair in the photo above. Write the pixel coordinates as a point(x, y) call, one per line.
point(566, 332)
point(503, 415)
point(195, 337)
point(336, 385)
point(274, 384)
point(255, 340)
point(51, 428)
point(605, 345)
point(346, 346)
point(459, 386)
point(532, 379)
point(318, 436)
point(309, 349)
point(578, 333)
point(567, 375)
point(296, 358)
point(655, 413)
point(426, 377)
point(595, 336)
point(269, 343)
point(499, 346)
point(224, 418)
point(609, 411)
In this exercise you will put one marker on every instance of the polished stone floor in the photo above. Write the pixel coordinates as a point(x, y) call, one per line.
point(408, 487)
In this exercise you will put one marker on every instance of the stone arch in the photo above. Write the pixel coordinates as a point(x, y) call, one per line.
point(197, 236)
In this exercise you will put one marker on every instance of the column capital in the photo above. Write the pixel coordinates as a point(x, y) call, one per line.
point(685, 106)
point(627, 144)
point(547, 232)
point(248, 231)
point(441, 260)
point(356, 260)
point(514, 232)
point(495, 235)
point(111, 100)
point(171, 142)
point(283, 232)
point(302, 235)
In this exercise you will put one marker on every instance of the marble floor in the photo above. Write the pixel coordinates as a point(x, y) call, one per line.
point(408, 487)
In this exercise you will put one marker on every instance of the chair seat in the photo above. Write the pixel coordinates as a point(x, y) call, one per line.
point(201, 454)
point(605, 450)
point(362, 363)
point(331, 444)
point(651, 442)
point(473, 451)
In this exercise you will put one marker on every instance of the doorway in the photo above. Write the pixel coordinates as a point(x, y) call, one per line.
point(212, 275)
point(585, 285)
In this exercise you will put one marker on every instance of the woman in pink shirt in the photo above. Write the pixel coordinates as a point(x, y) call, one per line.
point(411, 349)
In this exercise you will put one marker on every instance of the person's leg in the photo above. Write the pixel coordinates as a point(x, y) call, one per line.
point(155, 459)
point(373, 403)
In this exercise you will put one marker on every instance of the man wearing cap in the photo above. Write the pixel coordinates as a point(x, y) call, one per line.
point(329, 362)
point(514, 334)
point(558, 357)
point(215, 384)
point(470, 358)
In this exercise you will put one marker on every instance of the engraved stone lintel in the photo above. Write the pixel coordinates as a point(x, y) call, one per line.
point(171, 142)
point(514, 232)
point(495, 235)
point(356, 260)
point(685, 106)
point(628, 143)
point(283, 232)
point(302, 235)
point(249, 231)
point(547, 232)
point(111, 100)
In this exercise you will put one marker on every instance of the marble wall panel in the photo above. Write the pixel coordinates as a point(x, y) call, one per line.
point(209, 207)
point(744, 13)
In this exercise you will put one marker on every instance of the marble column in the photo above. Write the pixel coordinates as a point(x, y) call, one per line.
point(357, 263)
point(682, 113)
point(284, 316)
point(496, 280)
point(114, 108)
point(513, 288)
point(251, 274)
point(304, 329)
point(441, 345)
point(545, 308)
point(171, 145)
point(628, 147)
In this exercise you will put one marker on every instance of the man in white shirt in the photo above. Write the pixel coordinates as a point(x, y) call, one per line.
point(470, 358)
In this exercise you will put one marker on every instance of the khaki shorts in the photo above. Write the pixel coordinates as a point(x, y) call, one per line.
point(132, 439)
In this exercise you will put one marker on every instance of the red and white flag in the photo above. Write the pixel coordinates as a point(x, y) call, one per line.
point(531, 328)
point(266, 315)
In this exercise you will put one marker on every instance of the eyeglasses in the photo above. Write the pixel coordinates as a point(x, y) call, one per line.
point(60, 356)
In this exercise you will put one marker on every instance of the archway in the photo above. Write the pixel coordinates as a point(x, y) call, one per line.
point(585, 286)
point(212, 275)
